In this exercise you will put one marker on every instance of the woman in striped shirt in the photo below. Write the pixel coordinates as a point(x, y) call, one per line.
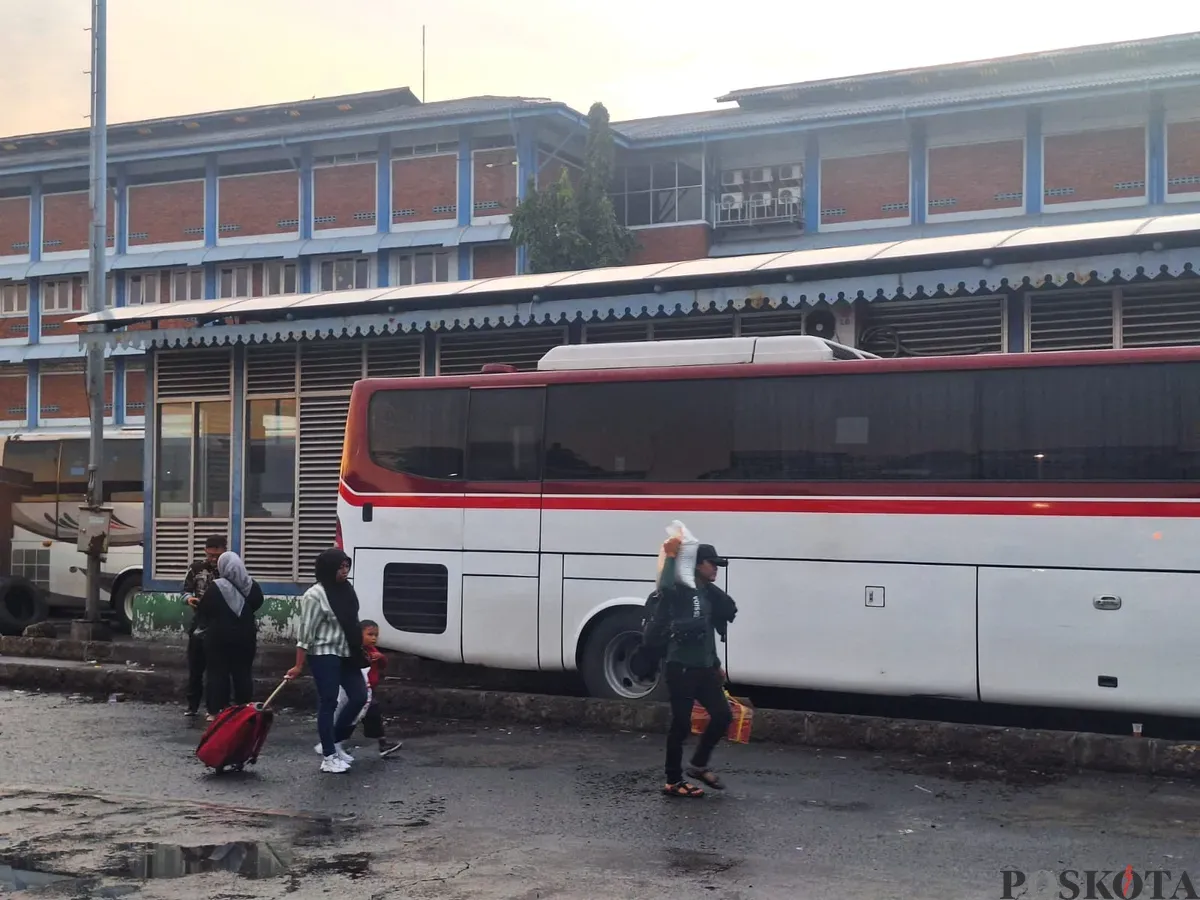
point(330, 640)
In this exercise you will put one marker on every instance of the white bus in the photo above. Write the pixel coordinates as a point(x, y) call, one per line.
point(46, 518)
point(1009, 528)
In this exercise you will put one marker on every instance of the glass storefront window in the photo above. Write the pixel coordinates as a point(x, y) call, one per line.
point(212, 459)
point(193, 466)
point(173, 478)
point(271, 432)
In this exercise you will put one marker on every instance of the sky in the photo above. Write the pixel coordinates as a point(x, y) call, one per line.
point(639, 57)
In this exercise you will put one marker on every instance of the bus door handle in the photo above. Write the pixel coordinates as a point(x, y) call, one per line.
point(368, 512)
point(1106, 601)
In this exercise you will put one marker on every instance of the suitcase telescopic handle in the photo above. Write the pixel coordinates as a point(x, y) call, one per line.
point(275, 693)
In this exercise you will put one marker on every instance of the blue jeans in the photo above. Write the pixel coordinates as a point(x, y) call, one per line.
point(331, 673)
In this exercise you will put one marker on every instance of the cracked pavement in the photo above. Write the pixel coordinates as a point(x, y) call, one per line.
point(473, 812)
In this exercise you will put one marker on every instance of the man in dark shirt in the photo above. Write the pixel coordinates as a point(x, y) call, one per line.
point(688, 619)
point(199, 576)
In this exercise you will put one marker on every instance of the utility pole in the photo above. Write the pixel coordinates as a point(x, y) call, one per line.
point(96, 546)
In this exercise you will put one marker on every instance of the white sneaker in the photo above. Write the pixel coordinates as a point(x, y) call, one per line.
point(340, 753)
point(334, 765)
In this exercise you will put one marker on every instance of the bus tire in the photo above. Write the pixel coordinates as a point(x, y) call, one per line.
point(604, 660)
point(22, 604)
point(124, 592)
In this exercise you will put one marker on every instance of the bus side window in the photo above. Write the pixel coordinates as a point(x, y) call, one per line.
point(504, 434)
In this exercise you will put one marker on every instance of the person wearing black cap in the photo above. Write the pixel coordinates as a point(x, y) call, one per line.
point(688, 619)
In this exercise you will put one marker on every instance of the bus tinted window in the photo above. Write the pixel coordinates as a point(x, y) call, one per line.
point(860, 427)
point(38, 458)
point(420, 433)
point(505, 435)
point(1092, 423)
point(650, 431)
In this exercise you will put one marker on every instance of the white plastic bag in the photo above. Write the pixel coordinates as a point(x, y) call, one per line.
point(685, 560)
point(343, 699)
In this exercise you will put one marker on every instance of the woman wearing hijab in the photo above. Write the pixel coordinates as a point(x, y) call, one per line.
point(330, 640)
point(231, 635)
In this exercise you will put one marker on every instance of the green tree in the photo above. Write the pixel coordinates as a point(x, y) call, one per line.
point(563, 228)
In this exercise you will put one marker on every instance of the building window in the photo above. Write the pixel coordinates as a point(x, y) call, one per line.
point(279, 278)
point(234, 281)
point(192, 480)
point(187, 284)
point(14, 299)
point(423, 268)
point(345, 274)
point(760, 195)
point(659, 193)
point(271, 430)
point(63, 295)
point(143, 289)
point(165, 286)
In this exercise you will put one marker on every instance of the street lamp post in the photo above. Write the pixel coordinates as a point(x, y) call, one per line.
point(95, 544)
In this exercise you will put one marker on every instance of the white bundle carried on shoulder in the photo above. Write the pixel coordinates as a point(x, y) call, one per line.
point(685, 560)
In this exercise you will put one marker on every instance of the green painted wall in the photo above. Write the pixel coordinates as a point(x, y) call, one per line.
point(156, 614)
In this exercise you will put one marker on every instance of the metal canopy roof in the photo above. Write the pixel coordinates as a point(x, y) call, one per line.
point(1093, 56)
point(649, 277)
point(739, 119)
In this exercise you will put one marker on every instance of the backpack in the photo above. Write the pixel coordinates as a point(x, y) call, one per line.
point(645, 660)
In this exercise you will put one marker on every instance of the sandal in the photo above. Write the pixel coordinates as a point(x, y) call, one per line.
point(707, 776)
point(682, 789)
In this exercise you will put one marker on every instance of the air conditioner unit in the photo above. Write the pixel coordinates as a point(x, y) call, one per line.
point(762, 198)
point(790, 196)
point(732, 201)
point(791, 173)
point(732, 177)
point(761, 176)
point(821, 322)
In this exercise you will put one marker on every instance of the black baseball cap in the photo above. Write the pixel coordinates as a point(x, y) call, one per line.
point(708, 553)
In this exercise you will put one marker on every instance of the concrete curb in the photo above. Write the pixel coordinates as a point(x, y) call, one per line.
point(1006, 747)
point(171, 653)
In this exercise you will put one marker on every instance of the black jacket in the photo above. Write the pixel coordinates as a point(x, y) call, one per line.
point(662, 608)
point(219, 621)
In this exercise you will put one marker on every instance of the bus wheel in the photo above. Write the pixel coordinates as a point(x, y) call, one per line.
point(123, 595)
point(22, 604)
point(604, 663)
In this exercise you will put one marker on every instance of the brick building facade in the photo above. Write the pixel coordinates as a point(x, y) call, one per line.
point(377, 190)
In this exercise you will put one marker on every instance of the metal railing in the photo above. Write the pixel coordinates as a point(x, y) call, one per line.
point(758, 210)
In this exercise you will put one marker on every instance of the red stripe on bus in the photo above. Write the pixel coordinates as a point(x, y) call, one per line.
point(1168, 509)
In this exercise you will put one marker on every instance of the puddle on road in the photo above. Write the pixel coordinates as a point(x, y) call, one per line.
point(249, 859)
point(26, 879)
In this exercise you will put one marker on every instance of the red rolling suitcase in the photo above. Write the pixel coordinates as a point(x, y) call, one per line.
point(236, 736)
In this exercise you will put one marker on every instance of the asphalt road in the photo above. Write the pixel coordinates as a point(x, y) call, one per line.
point(473, 812)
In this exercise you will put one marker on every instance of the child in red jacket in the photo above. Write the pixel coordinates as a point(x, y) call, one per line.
point(372, 720)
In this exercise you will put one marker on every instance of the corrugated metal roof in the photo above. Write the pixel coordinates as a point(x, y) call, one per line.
point(669, 276)
point(736, 120)
point(994, 66)
point(427, 114)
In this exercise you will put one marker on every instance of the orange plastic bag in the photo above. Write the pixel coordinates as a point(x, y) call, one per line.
point(739, 728)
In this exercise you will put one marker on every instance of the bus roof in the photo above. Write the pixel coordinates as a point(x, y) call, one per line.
point(723, 368)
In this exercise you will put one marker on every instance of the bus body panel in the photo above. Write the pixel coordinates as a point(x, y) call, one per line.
point(500, 621)
point(1043, 639)
point(807, 625)
point(998, 539)
point(370, 571)
point(511, 530)
point(550, 613)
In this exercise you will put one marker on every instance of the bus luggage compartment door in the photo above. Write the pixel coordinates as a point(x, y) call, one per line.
point(865, 627)
point(416, 597)
point(1090, 639)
